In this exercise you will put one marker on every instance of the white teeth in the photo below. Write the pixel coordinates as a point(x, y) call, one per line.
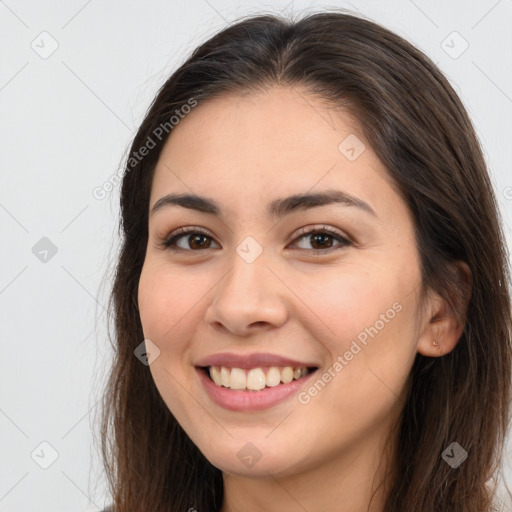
point(255, 378)
point(238, 379)
point(273, 377)
point(287, 374)
point(224, 375)
point(215, 375)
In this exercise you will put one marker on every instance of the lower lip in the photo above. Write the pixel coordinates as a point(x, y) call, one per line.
point(242, 400)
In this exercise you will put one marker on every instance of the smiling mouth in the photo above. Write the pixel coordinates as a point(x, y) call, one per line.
point(255, 379)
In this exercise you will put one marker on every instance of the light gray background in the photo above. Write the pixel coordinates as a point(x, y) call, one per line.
point(67, 121)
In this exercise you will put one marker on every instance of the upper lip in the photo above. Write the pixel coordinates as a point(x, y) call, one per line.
point(244, 361)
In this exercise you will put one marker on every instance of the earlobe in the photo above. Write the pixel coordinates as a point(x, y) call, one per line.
point(445, 324)
point(440, 336)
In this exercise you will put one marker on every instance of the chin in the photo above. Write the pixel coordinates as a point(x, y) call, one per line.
point(248, 461)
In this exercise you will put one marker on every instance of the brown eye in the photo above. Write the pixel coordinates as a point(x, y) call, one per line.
point(194, 240)
point(198, 241)
point(323, 240)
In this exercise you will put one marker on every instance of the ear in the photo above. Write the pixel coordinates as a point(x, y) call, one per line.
point(443, 324)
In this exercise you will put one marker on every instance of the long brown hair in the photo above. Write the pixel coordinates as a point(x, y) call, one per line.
point(421, 132)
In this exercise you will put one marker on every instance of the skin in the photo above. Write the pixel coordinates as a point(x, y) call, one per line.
point(243, 151)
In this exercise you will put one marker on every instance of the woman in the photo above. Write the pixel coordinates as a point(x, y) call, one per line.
point(311, 302)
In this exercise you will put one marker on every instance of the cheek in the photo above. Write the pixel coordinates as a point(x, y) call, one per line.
point(166, 301)
point(166, 306)
point(351, 299)
point(377, 359)
point(370, 320)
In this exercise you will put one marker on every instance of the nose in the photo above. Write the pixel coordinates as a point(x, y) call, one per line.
point(249, 298)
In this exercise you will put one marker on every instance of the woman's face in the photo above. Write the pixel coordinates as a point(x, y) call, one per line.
point(345, 301)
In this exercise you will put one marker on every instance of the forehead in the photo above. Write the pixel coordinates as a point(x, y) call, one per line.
point(286, 123)
point(260, 145)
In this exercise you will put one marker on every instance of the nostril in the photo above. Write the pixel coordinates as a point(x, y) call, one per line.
point(258, 324)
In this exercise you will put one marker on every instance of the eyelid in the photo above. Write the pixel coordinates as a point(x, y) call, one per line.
point(168, 241)
point(319, 228)
point(343, 239)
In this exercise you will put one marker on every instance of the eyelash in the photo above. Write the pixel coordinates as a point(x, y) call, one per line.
point(169, 242)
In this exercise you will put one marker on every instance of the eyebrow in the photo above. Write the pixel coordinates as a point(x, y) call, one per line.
point(276, 209)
